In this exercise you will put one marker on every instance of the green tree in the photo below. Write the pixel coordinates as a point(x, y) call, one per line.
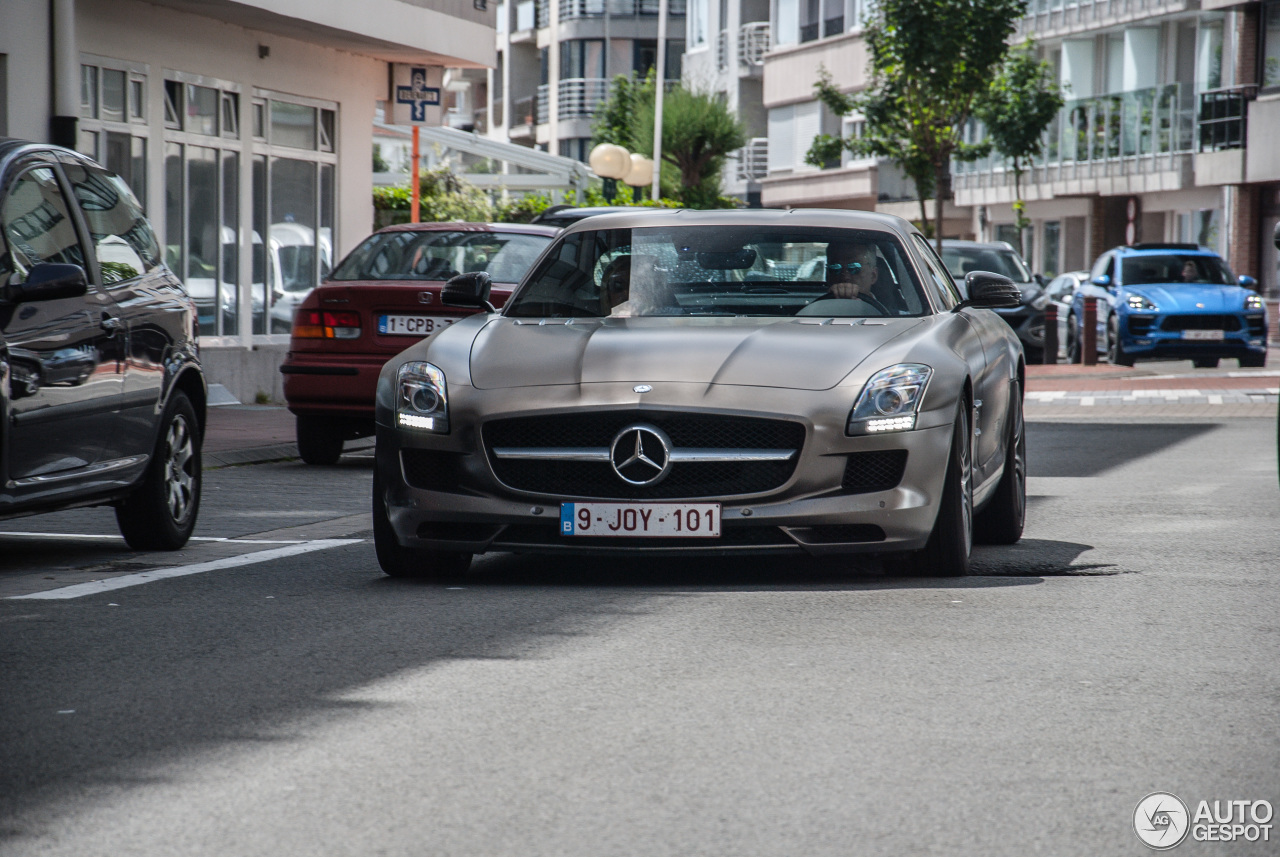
point(443, 196)
point(1020, 103)
point(931, 60)
point(886, 135)
point(698, 132)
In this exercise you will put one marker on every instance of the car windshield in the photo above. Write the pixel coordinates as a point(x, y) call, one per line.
point(962, 260)
point(722, 271)
point(1176, 268)
point(441, 254)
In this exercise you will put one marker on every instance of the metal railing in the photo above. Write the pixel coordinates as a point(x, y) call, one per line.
point(753, 159)
point(753, 43)
point(542, 104)
point(570, 9)
point(1223, 115)
point(722, 50)
point(578, 96)
point(1051, 16)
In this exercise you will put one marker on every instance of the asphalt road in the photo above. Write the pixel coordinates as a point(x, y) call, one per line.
point(309, 705)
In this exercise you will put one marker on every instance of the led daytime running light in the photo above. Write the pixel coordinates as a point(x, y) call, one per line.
point(890, 400)
point(422, 398)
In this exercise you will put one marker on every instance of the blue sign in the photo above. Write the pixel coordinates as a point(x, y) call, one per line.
point(418, 95)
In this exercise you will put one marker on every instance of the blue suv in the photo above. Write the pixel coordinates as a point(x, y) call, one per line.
point(1171, 302)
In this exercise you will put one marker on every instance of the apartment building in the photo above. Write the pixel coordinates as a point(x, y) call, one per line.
point(555, 59)
point(244, 128)
point(1167, 135)
point(725, 47)
point(1168, 132)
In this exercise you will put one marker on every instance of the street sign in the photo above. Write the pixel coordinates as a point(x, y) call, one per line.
point(416, 95)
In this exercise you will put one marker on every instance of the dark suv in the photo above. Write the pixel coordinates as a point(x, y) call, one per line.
point(102, 400)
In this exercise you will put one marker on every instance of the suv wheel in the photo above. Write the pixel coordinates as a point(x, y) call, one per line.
point(319, 440)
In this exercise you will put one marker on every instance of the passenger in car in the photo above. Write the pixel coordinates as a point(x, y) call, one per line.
point(631, 286)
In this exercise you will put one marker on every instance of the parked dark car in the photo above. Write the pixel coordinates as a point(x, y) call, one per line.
point(102, 399)
point(999, 257)
point(561, 216)
point(1171, 302)
point(381, 299)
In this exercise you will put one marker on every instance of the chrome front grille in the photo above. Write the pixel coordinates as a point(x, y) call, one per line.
point(710, 456)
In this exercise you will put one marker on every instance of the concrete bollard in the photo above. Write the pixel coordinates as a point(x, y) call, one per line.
point(1050, 351)
point(1089, 333)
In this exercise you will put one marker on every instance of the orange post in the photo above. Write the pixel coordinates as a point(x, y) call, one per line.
point(414, 182)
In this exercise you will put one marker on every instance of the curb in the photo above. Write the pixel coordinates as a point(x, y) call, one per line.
point(265, 454)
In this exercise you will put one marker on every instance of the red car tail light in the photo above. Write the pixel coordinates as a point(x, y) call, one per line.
point(320, 324)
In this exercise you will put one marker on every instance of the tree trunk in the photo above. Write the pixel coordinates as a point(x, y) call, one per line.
point(924, 212)
point(942, 192)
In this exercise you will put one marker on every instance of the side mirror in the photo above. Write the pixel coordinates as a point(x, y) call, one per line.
point(1247, 281)
point(1041, 279)
point(1102, 280)
point(1275, 236)
point(990, 291)
point(468, 290)
point(49, 281)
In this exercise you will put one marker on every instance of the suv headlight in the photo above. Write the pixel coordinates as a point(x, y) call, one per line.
point(1253, 301)
point(422, 399)
point(1139, 302)
point(890, 400)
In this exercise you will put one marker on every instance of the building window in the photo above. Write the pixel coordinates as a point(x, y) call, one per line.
point(1052, 248)
point(294, 202)
point(697, 24)
point(1271, 45)
point(113, 112)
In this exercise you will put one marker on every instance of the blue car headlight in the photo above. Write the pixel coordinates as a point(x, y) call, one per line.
point(422, 398)
point(1253, 302)
point(1138, 302)
point(891, 400)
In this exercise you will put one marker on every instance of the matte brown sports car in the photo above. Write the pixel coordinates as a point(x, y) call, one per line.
point(723, 382)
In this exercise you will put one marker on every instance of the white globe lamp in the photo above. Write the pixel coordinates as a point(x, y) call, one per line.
point(641, 172)
point(610, 161)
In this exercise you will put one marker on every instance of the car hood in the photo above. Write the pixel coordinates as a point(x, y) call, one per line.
point(1193, 297)
point(813, 354)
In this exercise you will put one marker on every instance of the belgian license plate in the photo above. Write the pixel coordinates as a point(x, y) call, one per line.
point(1202, 334)
point(411, 325)
point(669, 520)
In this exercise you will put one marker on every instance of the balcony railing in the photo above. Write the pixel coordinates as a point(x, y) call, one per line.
point(542, 104)
point(753, 159)
point(722, 50)
point(570, 9)
point(753, 43)
point(580, 96)
point(1223, 115)
point(1142, 123)
point(1044, 17)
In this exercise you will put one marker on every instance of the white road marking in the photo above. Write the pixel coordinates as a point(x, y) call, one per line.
point(121, 538)
point(97, 587)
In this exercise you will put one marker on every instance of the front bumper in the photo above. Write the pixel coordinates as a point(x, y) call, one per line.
point(1145, 335)
point(464, 507)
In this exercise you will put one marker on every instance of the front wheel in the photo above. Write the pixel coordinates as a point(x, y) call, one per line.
point(1116, 355)
point(950, 545)
point(161, 512)
point(1001, 522)
point(397, 560)
point(1253, 361)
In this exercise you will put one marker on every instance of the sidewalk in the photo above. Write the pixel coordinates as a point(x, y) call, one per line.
point(252, 434)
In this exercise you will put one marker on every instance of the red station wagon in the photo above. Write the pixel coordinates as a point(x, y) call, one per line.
point(384, 297)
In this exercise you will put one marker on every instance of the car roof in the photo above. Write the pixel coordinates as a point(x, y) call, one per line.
point(802, 217)
point(561, 215)
point(982, 245)
point(459, 226)
point(1154, 249)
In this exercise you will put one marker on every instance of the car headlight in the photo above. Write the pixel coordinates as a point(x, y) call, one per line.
point(1139, 302)
point(422, 399)
point(1253, 301)
point(890, 400)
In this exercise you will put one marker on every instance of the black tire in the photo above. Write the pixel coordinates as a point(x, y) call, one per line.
point(1001, 522)
point(1253, 361)
point(1073, 341)
point(399, 561)
point(1116, 355)
point(161, 512)
point(319, 440)
point(950, 545)
point(1033, 353)
point(1206, 362)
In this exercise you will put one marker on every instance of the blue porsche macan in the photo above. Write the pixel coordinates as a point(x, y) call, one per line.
point(1170, 302)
